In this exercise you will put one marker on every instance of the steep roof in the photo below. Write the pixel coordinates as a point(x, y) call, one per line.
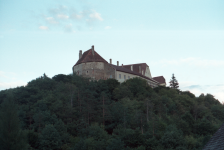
point(89, 57)
point(123, 69)
point(160, 79)
point(136, 67)
point(216, 142)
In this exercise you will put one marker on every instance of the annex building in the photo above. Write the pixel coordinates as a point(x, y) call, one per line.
point(91, 64)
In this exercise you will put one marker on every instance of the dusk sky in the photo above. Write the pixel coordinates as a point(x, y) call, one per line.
point(184, 37)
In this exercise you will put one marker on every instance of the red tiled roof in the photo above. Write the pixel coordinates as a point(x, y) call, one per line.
point(89, 57)
point(136, 67)
point(160, 79)
point(123, 69)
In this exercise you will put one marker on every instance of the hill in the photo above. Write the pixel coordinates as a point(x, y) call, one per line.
point(69, 112)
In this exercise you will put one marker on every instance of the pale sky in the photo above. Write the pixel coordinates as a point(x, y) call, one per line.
point(184, 37)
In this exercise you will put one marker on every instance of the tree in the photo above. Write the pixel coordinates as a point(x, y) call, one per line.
point(174, 83)
point(172, 137)
point(11, 136)
point(50, 139)
point(74, 112)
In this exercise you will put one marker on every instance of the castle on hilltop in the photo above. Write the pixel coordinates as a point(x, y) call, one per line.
point(91, 64)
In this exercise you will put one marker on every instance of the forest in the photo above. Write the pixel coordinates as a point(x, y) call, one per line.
point(70, 112)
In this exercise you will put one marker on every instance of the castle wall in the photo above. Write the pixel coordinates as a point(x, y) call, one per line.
point(162, 84)
point(122, 74)
point(95, 70)
point(148, 73)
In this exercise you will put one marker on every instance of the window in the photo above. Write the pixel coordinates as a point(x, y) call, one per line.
point(128, 77)
point(110, 76)
point(119, 76)
point(124, 76)
point(86, 71)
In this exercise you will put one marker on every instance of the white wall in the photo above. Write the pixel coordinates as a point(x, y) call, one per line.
point(131, 76)
point(148, 73)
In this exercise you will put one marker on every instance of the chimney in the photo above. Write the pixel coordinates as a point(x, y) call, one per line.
point(93, 49)
point(80, 54)
point(140, 70)
point(110, 61)
point(131, 67)
point(122, 65)
point(117, 63)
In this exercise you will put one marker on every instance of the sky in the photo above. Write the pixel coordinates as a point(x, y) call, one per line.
point(180, 37)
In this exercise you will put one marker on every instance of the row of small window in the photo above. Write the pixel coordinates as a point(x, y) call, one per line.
point(124, 76)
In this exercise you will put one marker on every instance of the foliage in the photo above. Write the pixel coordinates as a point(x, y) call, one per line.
point(71, 112)
point(11, 135)
point(174, 83)
point(50, 139)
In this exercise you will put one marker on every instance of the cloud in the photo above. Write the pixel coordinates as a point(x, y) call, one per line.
point(9, 80)
point(7, 85)
point(76, 16)
point(7, 75)
point(59, 9)
point(43, 27)
point(68, 28)
point(216, 90)
point(194, 86)
point(107, 27)
point(96, 16)
point(191, 61)
point(51, 20)
point(61, 16)
point(220, 96)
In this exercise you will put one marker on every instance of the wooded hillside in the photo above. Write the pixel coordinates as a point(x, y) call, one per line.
point(69, 112)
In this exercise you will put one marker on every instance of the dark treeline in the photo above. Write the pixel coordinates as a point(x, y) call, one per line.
point(69, 112)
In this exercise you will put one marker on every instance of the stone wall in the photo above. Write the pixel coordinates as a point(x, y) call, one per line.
point(101, 70)
point(95, 70)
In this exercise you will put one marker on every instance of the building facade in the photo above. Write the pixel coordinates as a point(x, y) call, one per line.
point(91, 64)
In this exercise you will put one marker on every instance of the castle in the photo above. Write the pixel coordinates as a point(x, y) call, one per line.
point(91, 64)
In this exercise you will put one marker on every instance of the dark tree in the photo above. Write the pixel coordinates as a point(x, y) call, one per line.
point(174, 83)
point(11, 136)
point(71, 112)
point(50, 139)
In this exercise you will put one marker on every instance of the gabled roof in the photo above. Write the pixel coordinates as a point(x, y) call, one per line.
point(136, 67)
point(89, 57)
point(123, 69)
point(217, 140)
point(160, 79)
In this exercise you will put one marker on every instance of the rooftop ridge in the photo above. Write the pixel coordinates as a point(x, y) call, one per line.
point(123, 69)
point(89, 56)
